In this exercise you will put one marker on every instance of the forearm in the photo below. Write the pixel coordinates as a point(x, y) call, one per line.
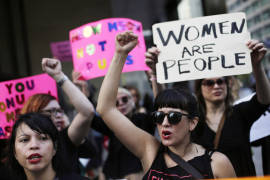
point(262, 85)
point(109, 87)
point(77, 98)
point(156, 87)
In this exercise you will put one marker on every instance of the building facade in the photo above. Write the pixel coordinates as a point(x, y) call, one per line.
point(258, 19)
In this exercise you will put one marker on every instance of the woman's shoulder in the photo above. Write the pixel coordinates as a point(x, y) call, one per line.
point(221, 165)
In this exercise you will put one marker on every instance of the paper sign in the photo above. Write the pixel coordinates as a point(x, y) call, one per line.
point(15, 93)
point(203, 47)
point(93, 46)
point(61, 50)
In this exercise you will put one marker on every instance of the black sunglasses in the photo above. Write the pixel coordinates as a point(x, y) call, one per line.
point(123, 99)
point(211, 83)
point(174, 117)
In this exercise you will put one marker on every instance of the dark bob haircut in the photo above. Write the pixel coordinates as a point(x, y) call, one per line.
point(177, 98)
point(41, 124)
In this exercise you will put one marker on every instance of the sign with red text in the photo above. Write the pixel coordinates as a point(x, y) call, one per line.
point(15, 93)
point(61, 50)
point(93, 46)
point(203, 47)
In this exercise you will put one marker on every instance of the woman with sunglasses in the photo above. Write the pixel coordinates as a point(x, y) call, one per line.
point(120, 162)
point(176, 118)
point(72, 135)
point(224, 127)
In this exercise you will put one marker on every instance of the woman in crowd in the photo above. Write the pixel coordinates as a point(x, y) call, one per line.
point(120, 162)
point(176, 117)
point(35, 152)
point(72, 136)
point(136, 98)
point(225, 127)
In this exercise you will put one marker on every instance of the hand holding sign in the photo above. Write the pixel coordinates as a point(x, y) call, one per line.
point(258, 51)
point(125, 42)
point(151, 58)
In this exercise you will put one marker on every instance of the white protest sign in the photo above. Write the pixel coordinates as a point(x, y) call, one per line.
point(203, 47)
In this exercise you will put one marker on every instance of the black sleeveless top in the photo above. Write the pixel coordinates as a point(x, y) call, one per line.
point(159, 170)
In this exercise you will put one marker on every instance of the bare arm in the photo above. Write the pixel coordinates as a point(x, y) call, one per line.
point(135, 139)
point(222, 166)
point(262, 82)
point(80, 125)
point(151, 60)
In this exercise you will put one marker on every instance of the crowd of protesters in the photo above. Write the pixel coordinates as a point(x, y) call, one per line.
point(200, 135)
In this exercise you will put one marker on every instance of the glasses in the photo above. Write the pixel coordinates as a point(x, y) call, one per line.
point(123, 99)
point(211, 83)
point(53, 112)
point(173, 117)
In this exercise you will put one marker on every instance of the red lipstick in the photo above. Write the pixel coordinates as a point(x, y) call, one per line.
point(34, 158)
point(166, 134)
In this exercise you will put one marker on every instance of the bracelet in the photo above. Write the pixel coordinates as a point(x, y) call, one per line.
point(61, 81)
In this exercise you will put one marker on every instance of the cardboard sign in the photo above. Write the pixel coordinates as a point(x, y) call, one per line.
point(15, 93)
point(93, 46)
point(61, 50)
point(203, 47)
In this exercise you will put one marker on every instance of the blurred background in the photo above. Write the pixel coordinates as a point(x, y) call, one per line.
point(28, 27)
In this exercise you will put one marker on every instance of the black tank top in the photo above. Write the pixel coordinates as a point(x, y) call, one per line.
point(159, 170)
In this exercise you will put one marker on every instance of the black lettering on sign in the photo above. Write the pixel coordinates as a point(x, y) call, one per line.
point(182, 64)
point(207, 49)
point(187, 33)
point(166, 65)
point(200, 64)
point(10, 102)
point(171, 34)
point(235, 27)
point(210, 60)
point(192, 33)
point(223, 63)
point(8, 86)
point(32, 86)
point(185, 50)
point(238, 57)
point(208, 28)
point(222, 26)
point(19, 87)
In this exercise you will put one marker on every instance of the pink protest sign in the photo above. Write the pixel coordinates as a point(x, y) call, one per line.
point(15, 93)
point(61, 50)
point(93, 46)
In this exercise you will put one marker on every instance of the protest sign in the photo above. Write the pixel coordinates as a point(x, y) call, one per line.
point(61, 50)
point(203, 47)
point(15, 93)
point(93, 46)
